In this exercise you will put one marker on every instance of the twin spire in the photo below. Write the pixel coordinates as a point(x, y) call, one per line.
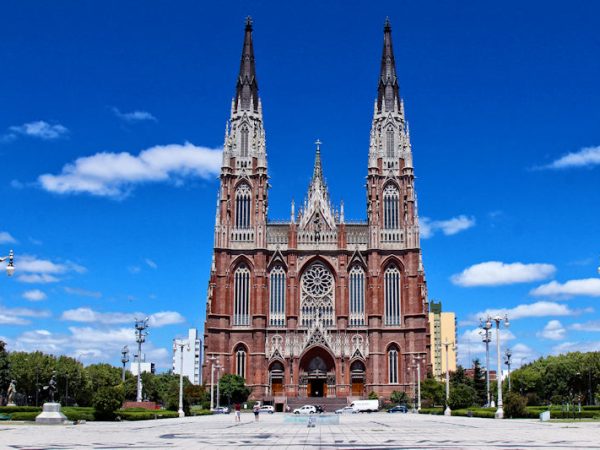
point(246, 95)
point(388, 91)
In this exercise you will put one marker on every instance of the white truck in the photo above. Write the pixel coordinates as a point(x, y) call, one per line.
point(365, 405)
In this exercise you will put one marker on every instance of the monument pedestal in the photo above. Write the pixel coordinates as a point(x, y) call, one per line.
point(51, 415)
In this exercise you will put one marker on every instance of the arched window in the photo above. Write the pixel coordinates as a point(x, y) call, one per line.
point(240, 361)
point(393, 365)
point(244, 143)
point(389, 143)
point(241, 293)
point(356, 296)
point(243, 197)
point(277, 297)
point(392, 296)
point(390, 207)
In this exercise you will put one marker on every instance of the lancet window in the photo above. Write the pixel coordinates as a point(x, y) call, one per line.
point(243, 197)
point(393, 365)
point(391, 199)
point(392, 296)
point(317, 296)
point(240, 361)
point(241, 292)
point(277, 297)
point(389, 143)
point(244, 142)
point(356, 289)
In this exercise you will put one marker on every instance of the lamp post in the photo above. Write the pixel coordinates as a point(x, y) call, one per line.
point(212, 360)
point(218, 367)
point(181, 344)
point(500, 411)
point(140, 338)
point(10, 267)
point(124, 360)
point(508, 361)
point(486, 336)
point(447, 411)
point(417, 361)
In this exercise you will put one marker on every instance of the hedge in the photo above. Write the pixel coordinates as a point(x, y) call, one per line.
point(12, 409)
point(146, 415)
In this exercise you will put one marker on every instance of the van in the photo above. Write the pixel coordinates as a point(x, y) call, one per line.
point(365, 405)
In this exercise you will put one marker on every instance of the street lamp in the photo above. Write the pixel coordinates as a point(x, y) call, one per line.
point(218, 367)
point(124, 360)
point(212, 360)
point(10, 268)
point(140, 338)
point(417, 364)
point(447, 411)
point(500, 411)
point(487, 338)
point(181, 344)
point(507, 361)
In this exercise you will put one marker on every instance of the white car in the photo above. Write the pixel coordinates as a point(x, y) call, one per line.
point(267, 409)
point(346, 410)
point(306, 409)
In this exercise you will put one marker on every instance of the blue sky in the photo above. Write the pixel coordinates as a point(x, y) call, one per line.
point(112, 115)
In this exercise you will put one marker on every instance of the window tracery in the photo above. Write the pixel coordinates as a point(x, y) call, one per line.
point(317, 296)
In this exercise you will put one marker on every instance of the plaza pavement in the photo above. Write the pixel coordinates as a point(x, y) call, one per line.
point(358, 431)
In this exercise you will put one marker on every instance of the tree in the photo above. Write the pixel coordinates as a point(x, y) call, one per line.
point(479, 382)
point(106, 401)
point(433, 392)
point(515, 405)
point(103, 375)
point(399, 398)
point(4, 367)
point(460, 377)
point(462, 396)
point(72, 381)
point(233, 389)
point(31, 371)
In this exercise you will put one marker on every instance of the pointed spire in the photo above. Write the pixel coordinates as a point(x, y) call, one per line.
point(246, 96)
point(388, 92)
point(318, 170)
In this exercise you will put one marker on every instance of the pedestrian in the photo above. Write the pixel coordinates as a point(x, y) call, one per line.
point(238, 411)
point(256, 411)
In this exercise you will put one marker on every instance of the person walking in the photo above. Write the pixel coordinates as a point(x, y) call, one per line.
point(238, 412)
point(256, 411)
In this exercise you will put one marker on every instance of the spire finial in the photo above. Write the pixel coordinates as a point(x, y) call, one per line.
point(318, 171)
point(387, 26)
point(388, 92)
point(248, 23)
point(246, 95)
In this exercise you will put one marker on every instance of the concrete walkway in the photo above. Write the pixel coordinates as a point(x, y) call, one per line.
point(357, 431)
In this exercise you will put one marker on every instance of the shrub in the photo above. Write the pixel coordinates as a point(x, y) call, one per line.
point(126, 414)
point(462, 396)
point(373, 396)
point(106, 401)
point(24, 415)
point(399, 397)
point(515, 405)
point(13, 409)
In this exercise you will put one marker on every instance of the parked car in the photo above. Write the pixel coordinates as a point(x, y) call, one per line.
point(221, 410)
point(398, 409)
point(346, 410)
point(365, 405)
point(306, 409)
point(267, 409)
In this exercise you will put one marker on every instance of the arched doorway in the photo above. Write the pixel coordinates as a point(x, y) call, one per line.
point(317, 373)
point(276, 378)
point(357, 378)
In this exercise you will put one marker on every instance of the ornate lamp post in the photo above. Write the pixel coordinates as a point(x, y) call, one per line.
point(212, 360)
point(498, 319)
point(218, 367)
point(447, 411)
point(487, 338)
point(124, 360)
point(10, 268)
point(417, 365)
point(140, 338)
point(181, 344)
point(508, 361)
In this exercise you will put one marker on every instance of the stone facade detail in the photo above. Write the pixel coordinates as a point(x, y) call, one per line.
point(329, 301)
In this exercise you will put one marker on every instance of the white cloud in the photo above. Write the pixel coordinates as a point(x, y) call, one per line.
point(589, 287)
point(134, 116)
point(6, 238)
point(20, 316)
point(35, 270)
point(578, 346)
point(586, 157)
point(115, 174)
point(471, 345)
point(521, 354)
point(151, 263)
point(39, 129)
point(449, 227)
point(537, 309)
point(88, 315)
point(34, 295)
point(495, 273)
point(553, 330)
point(592, 326)
point(82, 292)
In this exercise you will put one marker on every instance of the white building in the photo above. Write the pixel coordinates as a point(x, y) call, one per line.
point(192, 356)
point(144, 367)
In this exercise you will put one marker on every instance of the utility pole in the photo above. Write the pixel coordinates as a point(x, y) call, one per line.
point(447, 411)
point(124, 360)
point(212, 360)
point(508, 361)
point(140, 338)
point(486, 335)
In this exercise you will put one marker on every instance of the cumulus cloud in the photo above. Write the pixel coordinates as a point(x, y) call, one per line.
point(134, 116)
point(88, 315)
point(576, 346)
point(537, 309)
point(448, 227)
point(496, 273)
point(34, 295)
point(20, 316)
point(82, 292)
point(588, 287)
point(38, 129)
point(35, 270)
point(471, 345)
point(6, 238)
point(521, 354)
point(586, 157)
point(115, 174)
point(592, 325)
point(553, 330)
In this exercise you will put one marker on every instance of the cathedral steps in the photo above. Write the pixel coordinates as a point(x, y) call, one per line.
point(329, 404)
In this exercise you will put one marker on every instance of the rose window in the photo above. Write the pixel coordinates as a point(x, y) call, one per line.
point(317, 302)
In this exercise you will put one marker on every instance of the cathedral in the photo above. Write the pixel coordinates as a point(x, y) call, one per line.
point(317, 306)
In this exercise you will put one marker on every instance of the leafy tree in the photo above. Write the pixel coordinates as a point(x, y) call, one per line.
point(479, 382)
point(107, 400)
point(515, 405)
point(196, 394)
point(4, 367)
point(460, 377)
point(373, 395)
point(399, 398)
point(31, 371)
point(233, 389)
point(433, 392)
point(103, 375)
point(462, 396)
point(72, 381)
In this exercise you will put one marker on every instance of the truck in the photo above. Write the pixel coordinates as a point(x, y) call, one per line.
point(365, 405)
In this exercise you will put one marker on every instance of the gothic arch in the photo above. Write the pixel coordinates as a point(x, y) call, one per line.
point(238, 261)
point(392, 260)
point(317, 258)
point(316, 350)
point(240, 182)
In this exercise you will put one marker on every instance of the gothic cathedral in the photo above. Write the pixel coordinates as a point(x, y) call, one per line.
point(317, 306)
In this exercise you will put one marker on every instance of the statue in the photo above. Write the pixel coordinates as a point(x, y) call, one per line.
point(51, 387)
point(11, 393)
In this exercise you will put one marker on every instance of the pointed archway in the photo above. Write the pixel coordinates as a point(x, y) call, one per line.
point(317, 372)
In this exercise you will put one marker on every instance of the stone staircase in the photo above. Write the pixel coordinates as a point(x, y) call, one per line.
point(329, 404)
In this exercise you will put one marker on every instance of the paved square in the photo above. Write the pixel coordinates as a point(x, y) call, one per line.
point(361, 431)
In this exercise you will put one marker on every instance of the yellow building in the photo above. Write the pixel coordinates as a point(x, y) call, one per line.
point(443, 329)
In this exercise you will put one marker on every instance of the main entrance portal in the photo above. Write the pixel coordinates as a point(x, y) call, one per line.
point(317, 373)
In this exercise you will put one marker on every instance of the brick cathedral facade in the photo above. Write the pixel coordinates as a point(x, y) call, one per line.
point(317, 306)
